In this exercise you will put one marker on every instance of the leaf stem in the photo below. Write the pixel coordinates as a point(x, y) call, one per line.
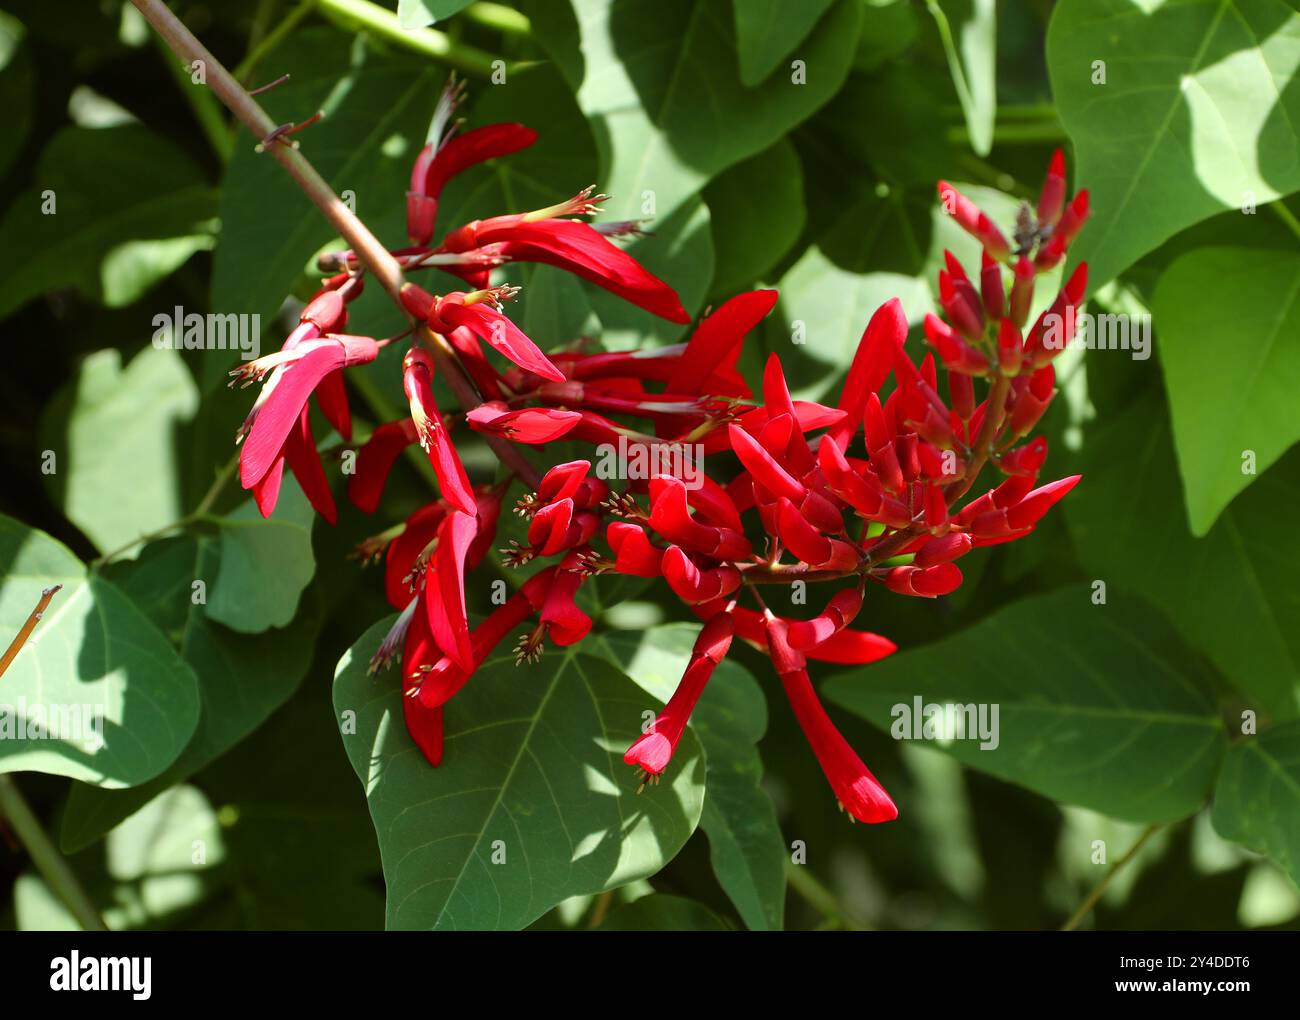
point(819, 897)
point(52, 865)
point(383, 23)
point(1286, 216)
point(25, 631)
point(1085, 908)
point(272, 39)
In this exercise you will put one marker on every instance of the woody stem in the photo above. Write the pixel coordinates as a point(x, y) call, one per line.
point(373, 255)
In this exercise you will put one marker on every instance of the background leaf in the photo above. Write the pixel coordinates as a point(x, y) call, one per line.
point(1196, 115)
point(1229, 321)
point(1070, 729)
point(118, 430)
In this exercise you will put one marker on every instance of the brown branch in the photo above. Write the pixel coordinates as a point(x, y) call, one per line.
point(371, 253)
point(20, 639)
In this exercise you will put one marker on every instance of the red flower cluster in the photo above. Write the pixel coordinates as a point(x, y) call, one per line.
point(821, 505)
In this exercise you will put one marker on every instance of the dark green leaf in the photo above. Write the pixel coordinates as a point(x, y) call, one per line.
point(532, 803)
point(767, 30)
point(1257, 800)
point(1070, 723)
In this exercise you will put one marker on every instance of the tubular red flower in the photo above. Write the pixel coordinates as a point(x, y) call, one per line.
point(532, 425)
point(437, 164)
point(858, 791)
point(448, 620)
point(423, 722)
point(1051, 200)
point(653, 751)
point(764, 467)
point(693, 585)
point(635, 554)
point(494, 329)
point(376, 459)
point(926, 582)
point(840, 611)
point(716, 342)
point(670, 517)
point(417, 382)
point(880, 345)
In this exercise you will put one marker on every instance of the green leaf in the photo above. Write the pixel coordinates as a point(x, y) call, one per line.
point(118, 703)
point(1197, 115)
point(115, 434)
point(661, 84)
point(158, 863)
point(746, 847)
point(1229, 319)
point(17, 89)
point(972, 61)
point(532, 777)
point(889, 27)
point(377, 109)
point(767, 30)
point(757, 209)
point(661, 912)
point(265, 563)
point(107, 187)
point(242, 678)
point(419, 13)
point(1257, 800)
point(1232, 593)
point(1069, 726)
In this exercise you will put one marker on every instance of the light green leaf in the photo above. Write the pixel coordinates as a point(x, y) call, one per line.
point(745, 843)
point(1069, 725)
point(767, 30)
point(116, 703)
point(242, 678)
point(419, 13)
point(106, 187)
point(116, 437)
point(1197, 114)
point(532, 803)
point(1257, 800)
point(1231, 594)
point(1229, 321)
point(265, 563)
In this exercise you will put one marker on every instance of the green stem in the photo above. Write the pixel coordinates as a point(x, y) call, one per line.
point(1286, 216)
point(207, 111)
point(1085, 908)
point(504, 19)
point(45, 855)
point(272, 39)
point(819, 897)
point(383, 22)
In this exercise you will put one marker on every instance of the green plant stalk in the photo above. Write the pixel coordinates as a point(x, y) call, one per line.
point(45, 855)
point(383, 22)
point(207, 111)
point(272, 39)
point(1286, 216)
point(504, 19)
point(1085, 908)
